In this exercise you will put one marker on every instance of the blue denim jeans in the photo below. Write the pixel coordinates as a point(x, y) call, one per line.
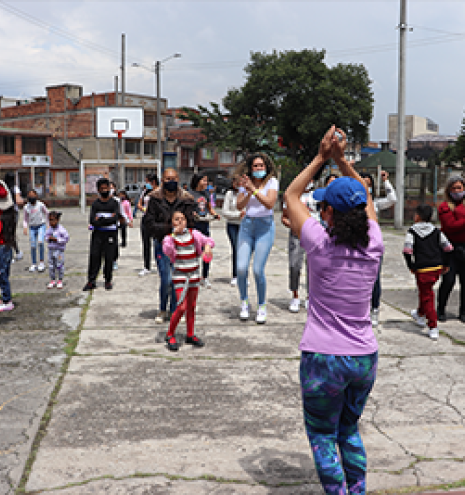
point(166, 285)
point(6, 255)
point(232, 230)
point(37, 235)
point(255, 235)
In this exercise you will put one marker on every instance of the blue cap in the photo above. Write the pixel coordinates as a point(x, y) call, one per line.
point(342, 194)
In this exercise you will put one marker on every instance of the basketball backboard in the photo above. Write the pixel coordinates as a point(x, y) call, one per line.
point(126, 122)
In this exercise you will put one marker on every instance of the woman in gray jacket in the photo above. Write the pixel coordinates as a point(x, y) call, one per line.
point(233, 220)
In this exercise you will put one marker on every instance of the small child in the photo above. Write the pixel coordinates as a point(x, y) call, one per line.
point(127, 213)
point(35, 217)
point(57, 237)
point(430, 249)
point(183, 247)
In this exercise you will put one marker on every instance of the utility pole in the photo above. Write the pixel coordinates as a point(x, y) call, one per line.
point(400, 161)
point(157, 74)
point(116, 139)
point(123, 97)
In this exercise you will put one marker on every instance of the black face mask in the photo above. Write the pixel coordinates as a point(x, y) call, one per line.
point(105, 194)
point(170, 186)
point(32, 200)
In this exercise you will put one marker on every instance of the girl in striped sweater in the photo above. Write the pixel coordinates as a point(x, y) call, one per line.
point(183, 247)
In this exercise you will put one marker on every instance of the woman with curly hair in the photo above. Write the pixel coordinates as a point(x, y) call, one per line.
point(258, 193)
point(339, 350)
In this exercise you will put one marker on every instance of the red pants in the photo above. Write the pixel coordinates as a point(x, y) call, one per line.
point(188, 307)
point(426, 307)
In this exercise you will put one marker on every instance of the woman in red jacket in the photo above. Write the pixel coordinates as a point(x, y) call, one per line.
point(452, 218)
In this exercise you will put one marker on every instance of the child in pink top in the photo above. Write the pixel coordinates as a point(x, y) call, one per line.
point(127, 213)
point(183, 247)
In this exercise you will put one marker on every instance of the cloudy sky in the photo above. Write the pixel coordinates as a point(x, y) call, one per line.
point(48, 43)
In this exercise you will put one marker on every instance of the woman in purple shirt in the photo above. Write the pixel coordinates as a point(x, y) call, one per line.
point(339, 349)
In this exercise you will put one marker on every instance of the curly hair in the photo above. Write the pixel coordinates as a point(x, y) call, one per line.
point(351, 228)
point(7, 218)
point(245, 167)
point(196, 178)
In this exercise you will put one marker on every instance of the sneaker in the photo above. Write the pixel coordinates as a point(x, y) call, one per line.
point(59, 284)
point(33, 268)
point(261, 314)
point(207, 284)
point(115, 265)
point(419, 320)
point(195, 341)
point(160, 318)
point(19, 256)
point(7, 306)
point(89, 286)
point(433, 333)
point(172, 344)
point(244, 315)
point(51, 284)
point(108, 286)
point(234, 282)
point(294, 305)
point(41, 267)
point(144, 272)
point(374, 316)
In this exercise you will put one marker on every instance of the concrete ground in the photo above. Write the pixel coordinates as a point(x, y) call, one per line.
point(132, 417)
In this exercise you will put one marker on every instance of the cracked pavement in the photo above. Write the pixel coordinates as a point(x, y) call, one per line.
point(131, 417)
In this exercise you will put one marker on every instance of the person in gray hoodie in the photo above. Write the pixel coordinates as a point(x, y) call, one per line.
point(57, 238)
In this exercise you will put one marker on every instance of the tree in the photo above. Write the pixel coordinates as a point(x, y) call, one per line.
point(294, 96)
point(455, 153)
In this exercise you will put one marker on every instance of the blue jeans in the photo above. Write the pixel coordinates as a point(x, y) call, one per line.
point(255, 234)
point(6, 255)
point(232, 230)
point(166, 284)
point(37, 235)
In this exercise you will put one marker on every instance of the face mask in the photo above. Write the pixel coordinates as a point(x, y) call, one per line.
point(148, 187)
point(370, 190)
point(105, 194)
point(259, 174)
point(32, 200)
point(457, 196)
point(170, 186)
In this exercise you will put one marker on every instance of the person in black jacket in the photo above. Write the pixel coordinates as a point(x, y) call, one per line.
point(430, 249)
point(104, 216)
point(164, 201)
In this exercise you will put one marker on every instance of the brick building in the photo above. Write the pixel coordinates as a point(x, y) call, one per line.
point(69, 116)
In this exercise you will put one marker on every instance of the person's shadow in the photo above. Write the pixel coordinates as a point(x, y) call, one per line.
point(283, 473)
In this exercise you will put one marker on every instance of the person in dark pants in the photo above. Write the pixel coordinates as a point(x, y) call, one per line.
point(147, 241)
point(104, 216)
point(203, 214)
point(452, 217)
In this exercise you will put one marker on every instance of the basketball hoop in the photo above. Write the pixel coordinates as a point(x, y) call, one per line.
point(119, 127)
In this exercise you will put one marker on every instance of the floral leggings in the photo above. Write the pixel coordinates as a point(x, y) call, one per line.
point(334, 392)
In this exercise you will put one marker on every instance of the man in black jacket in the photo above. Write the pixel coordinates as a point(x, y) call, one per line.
point(164, 201)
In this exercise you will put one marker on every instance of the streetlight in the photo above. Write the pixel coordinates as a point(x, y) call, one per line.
point(156, 71)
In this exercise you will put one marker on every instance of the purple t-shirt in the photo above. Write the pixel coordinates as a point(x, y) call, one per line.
point(341, 281)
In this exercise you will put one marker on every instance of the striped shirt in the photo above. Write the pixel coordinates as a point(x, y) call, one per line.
point(186, 264)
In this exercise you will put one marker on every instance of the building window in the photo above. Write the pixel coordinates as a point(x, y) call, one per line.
point(34, 146)
point(150, 120)
point(7, 145)
point(133, 147)
point(207, 154)
point(149, 148)
point(226, 157)
point(129, 175)
point(74, 178)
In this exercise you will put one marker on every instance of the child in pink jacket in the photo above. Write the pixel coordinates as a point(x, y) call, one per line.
point(183, 247)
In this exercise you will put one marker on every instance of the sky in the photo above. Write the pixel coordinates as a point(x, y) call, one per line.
point(46, 43)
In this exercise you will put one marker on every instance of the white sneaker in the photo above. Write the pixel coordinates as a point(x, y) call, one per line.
point(51, 284)
point(7, 306)
point(207, 283)
point(160, 318)
point(144, 272)
point(41, 267)
point(33, 268)
point(59, 284)
point(261, 314)
point(244, 310)
point(433, 333)
point(374, 316)
point(419, 320)
point(294, 305)
point(19, 256)
point(234, 282)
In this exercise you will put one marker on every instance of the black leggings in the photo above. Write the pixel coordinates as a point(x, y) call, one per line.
point(457, 267)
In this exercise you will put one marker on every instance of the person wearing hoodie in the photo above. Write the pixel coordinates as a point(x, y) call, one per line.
point(163, 202)
point(451, 214)
point(430, 250)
